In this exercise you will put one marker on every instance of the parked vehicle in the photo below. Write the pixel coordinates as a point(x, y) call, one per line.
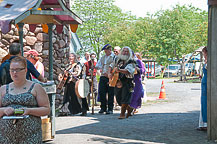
point(188, 68)
point(172, 70)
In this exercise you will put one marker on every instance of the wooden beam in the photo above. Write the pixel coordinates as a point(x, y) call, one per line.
point(50, 12)
point(211, 75)
point(50, 6)
point(38, 19)
point(212, 2)
point(57, 21)
point(62, 5)
point(21, 17)
point(37, 5)
point(69, 22)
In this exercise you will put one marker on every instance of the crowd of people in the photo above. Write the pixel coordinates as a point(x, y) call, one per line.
point(18, 93)
point(127, 91)
point(120, 83)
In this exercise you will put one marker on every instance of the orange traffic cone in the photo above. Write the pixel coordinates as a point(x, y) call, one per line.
point(162, 91)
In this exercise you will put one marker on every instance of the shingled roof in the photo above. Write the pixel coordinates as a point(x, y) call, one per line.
point(35, 12)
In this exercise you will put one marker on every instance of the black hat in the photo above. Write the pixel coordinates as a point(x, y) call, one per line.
point(107, 46)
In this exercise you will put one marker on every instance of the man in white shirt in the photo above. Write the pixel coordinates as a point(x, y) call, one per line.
point(104, 88)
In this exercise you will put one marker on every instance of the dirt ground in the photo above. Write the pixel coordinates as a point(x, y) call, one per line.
point(170, 121)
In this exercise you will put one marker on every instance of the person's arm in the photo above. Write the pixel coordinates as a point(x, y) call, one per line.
point(31, 68)
point(99, 64)
point(42, 79)
point(84, 70)
point(128, 70)
point(40, 68)
point(76, 71)
point(140, 68)
point(4, 110)
point(1, 109)
point(1, 68)
point(109, 72)
point(43, 108)
point(124, 71)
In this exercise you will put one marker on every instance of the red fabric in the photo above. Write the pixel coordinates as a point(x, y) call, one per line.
point(50, 2)
point(32, 27)
point(59, 28)
point(64, 18)
point(5, 26)
point(88, 66)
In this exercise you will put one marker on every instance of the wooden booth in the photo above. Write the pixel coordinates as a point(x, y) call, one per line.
point(47, 13)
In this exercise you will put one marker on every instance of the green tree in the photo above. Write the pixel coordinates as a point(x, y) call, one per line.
point(165, 35)
point(175, 32)
point(98, 17)
point(129, 33)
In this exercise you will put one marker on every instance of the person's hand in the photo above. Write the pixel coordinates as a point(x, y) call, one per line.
point(60, 77)
point(45, 80)
point(118, 70)
point(138, 69)
point(90, 80)
point(9, 111)
point(26, 111)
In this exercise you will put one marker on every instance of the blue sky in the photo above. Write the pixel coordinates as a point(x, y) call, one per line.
point(141, 7)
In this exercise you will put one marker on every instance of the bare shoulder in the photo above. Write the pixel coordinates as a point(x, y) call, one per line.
point(3, 87)
point(38, 87)
point(38, 90)
point(2, 90)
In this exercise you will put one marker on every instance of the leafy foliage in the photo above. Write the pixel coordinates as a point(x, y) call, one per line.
point(163, 36)
point(99, 17)
point(167, 34)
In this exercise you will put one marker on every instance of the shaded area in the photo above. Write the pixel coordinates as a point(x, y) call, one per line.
point(167, 128)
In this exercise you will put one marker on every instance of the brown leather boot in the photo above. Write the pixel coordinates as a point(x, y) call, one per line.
point(123, 110)
point(129, 111)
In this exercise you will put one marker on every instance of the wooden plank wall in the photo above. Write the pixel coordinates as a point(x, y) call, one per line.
point(212, 74)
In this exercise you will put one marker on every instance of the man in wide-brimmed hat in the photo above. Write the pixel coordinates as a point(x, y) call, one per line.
point(104, 88)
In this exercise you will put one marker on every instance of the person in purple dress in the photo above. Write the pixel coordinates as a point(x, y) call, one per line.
point(138, 93)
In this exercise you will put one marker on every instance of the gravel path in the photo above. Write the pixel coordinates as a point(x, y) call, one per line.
point(170, 121)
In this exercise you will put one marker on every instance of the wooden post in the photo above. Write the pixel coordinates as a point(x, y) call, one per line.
point(212, 69)
point(20, 25)
point(51, 96)
point(50, 28)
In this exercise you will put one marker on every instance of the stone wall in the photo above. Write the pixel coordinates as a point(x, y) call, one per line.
point(40, 42)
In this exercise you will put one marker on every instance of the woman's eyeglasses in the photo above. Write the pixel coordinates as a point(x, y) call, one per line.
point(16, 70)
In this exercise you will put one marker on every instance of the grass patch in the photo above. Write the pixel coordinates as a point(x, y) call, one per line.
point(152, 94)
point(153, 99)
point(157, 101)
point(193, 81)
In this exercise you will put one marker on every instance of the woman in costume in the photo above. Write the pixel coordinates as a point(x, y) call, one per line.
point(71, 103)
point(138, 93)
